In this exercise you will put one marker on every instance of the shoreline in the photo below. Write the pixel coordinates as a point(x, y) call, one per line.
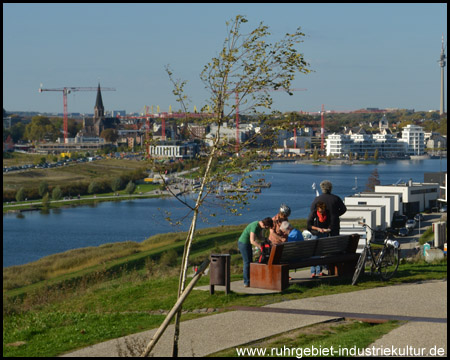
point(36, 205)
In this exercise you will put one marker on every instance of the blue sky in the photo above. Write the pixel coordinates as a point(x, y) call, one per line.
point(363, 55)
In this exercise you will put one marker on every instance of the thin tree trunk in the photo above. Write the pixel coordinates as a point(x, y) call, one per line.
point(177, 306)
point(187, 249)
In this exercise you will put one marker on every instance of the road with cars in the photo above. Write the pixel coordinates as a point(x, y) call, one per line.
point(411, 241)
point(66, 162)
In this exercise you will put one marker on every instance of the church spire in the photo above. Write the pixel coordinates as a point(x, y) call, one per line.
point(99, 110)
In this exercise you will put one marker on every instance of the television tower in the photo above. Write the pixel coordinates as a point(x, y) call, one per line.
point(442, 65)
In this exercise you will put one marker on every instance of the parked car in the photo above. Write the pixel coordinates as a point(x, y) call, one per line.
point(399, 221)
point(418, 217)
point(403, 232)
point(410, 224)
point(443, 209)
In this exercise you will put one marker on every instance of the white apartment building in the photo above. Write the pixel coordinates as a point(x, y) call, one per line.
point(387, 145)
point(414, 136)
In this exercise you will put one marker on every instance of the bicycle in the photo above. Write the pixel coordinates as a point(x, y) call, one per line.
point(386, 262)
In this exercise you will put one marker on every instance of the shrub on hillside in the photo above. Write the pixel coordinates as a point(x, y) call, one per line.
point(75, 189)
point(20, 195)
point(56, 193)
point(9, 195)
point(169, 258)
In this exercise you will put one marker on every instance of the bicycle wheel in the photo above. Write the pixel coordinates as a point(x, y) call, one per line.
point(359, 266)
point(389, 262)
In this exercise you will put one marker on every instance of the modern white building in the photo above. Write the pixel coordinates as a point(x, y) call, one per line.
point(349, 223)
point(174, 150)
point(380, 213)
point(441, 179)
point(414, 136)
point(395, 204)
point(377, 209)
point(416, 197)
point(374, 200)
point(226, 133)
point(386, 144)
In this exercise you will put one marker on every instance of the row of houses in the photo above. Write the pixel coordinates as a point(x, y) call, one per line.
point(380, 208)
point(413, 141)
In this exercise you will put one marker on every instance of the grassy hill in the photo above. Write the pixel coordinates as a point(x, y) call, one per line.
point(81, 297)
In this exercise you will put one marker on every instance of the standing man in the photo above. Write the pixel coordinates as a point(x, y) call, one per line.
point(248, 238)
point(334, 205)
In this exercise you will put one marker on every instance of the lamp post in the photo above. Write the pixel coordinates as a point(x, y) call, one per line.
point(419, 228)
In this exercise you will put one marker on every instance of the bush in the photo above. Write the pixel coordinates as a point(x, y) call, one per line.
point(75, 189)
point(9, 195)
point(169, 258)
point(56, 193)
point(116, 184)
point(20, 195)
point(93, 187)
point(43, 188)
point(131, 187)
point(45, 201)
point(426, 236)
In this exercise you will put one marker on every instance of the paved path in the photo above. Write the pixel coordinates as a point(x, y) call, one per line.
point(423, 305)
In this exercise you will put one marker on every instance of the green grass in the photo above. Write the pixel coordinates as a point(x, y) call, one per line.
point(84, 299)
point(73, 173)
point(51, 333)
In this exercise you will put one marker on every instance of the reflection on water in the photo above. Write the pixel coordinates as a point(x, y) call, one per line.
point(32, 235)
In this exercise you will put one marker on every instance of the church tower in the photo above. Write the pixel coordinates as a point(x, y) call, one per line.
point(99, 110)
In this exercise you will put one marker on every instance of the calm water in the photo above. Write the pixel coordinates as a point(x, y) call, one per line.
point(32, 235)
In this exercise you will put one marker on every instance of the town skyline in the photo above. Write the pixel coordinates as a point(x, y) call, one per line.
point(379, 61)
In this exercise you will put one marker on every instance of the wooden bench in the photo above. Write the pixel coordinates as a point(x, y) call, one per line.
point(338, 252)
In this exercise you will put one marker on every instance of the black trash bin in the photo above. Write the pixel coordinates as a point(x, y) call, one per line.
point(219, 272)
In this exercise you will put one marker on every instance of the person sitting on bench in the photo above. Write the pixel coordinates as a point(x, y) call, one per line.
point(318, 224)
point(292, 233)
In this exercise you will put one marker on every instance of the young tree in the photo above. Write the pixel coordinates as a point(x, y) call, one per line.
point(247, 68)
point(93, 188)
point(56, 193)
point(45, 201)
point(43, 188)
point(316, 154)
point(116, 184)
point(131, 187)
point(374, 179)
point(20, 194)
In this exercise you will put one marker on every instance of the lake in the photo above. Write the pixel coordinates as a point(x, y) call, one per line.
point(32, 235)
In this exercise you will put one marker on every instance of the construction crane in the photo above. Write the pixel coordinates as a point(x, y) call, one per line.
point(442, 64)
point(171, 115)
point(67, 90)
point(322, 129)
point(237, 108)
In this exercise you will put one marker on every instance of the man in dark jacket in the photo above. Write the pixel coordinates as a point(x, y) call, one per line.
point(334, 205)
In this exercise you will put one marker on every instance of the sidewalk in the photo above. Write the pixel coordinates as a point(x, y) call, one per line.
point(423, 305)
